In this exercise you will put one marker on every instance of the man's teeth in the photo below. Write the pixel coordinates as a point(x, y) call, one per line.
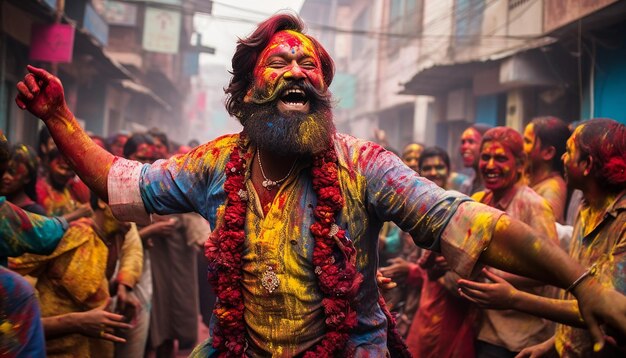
point(297, 104)
point(492, 175)
point(294, 90)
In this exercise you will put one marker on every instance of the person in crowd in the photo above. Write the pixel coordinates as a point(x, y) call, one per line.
point(20, 178)
point(444, 323)
point(45, 147)
point(501, 166)
point(161, 145)
point(45, 144)
point(53, 190)
point(297, 209)
point(595, 163)
point(71, 281)
point(470, 152)
point(175, 309)
point(139, 147)
point(20, 316)
point(544, 144)
point(411, 155)
point(396, 249)
point(116, 143)
point(442, 326)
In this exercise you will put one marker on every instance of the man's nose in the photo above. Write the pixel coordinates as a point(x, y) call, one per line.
point(295, 71)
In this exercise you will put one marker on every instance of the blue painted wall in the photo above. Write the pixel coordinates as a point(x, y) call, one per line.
point(487, 110)
point(610, 84)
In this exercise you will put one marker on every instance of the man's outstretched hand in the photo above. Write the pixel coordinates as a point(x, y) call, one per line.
point(601, 305)
point(41, 93)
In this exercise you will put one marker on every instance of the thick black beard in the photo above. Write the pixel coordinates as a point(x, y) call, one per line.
point(293, 133)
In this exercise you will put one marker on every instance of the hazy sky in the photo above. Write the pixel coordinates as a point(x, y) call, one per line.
point(233, 19)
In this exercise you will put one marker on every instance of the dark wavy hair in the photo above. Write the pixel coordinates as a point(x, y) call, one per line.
point(604, 140)
point(554, 132)
point(248, 50)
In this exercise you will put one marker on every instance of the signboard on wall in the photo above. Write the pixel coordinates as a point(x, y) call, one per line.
point(161, 30)
point(96, 25)
point(52, 43)
point(120, 14)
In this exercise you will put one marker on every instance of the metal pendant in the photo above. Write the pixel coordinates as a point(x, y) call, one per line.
point(270, 280)
point(269, 184)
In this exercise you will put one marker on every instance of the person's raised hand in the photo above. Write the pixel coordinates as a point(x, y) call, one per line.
point(41, 93)
point(496, 295)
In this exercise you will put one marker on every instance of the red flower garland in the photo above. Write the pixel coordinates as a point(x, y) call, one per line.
point(334, 258)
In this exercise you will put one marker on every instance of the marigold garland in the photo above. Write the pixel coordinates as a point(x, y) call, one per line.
point(334, 258)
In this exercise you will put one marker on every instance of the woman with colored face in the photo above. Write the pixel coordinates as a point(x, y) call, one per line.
point(544, 144)
point(501, 166)
point(18, 181)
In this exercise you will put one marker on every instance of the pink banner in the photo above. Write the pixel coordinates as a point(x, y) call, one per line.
point(52, 43)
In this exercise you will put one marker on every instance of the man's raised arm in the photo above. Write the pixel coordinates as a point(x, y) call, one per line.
point(42, 94)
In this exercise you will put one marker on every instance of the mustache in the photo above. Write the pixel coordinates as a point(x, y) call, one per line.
point(313, 95)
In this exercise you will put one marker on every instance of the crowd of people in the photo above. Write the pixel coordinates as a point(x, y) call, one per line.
point(105, 287)
point(323, 244)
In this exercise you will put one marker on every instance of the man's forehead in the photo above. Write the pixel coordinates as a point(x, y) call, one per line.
point(289, 40)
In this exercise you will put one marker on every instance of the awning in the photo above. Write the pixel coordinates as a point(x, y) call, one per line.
point(134, 87)
point(439, 78)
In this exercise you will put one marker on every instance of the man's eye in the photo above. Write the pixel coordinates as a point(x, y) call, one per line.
point(276, 64)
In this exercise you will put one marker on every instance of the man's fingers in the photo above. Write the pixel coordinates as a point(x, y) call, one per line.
point(113, 316)
point(472, 284)
point(492, 276)
point(31, 83)
point(596, 333)
point(476, 294)
point(469, 298)
point(112, 338)
point(116, 324)
point(40, 73)
point(24, 91)
point(19, 102)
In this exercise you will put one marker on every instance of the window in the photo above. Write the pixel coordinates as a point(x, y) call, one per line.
point(405, 19)
point(468, 19)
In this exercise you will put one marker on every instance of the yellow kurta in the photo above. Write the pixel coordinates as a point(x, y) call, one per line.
point(71, 279)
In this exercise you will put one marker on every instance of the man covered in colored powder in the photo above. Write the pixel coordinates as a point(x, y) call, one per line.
point(595, 163)
point(297, 208)
point(501, 166)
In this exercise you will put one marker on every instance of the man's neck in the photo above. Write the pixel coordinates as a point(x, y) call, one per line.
point(597, 197)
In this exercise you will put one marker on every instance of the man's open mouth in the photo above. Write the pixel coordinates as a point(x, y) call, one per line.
point(294, 99)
